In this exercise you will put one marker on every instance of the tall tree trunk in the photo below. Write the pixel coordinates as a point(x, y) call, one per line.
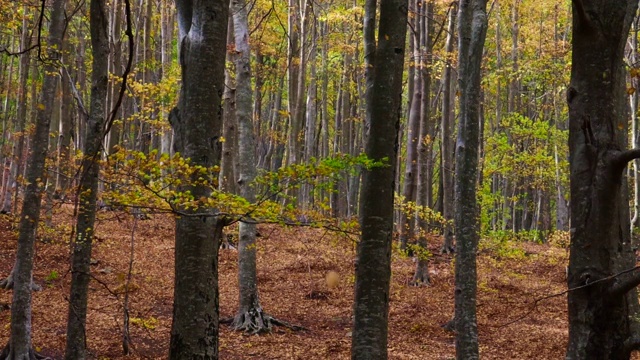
point(229, 157)
point(446, 140)
point(197, 123)
point(472, 30)
point(249, 317)
point(405, 221)
point(18, 146)
point(601, 310)
point(373, 269)
point(423, 196)
point(19, 346)
point(85, 226)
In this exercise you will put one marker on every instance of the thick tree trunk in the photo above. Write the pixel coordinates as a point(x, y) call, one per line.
point(600, 315)
point(197, 123)
point(472, 30)
point(19, 347)
point(85, 226)
point(373, 269)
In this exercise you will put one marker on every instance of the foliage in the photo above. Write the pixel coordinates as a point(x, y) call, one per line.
point(136, 180)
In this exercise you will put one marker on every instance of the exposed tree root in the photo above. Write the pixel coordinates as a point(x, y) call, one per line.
point(450, 325)
point(7, 354)
point(447, 249)
point(7, 283)
point(421, 276)
point(255, 321)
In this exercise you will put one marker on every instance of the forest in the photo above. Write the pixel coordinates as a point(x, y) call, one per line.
point(321, 179)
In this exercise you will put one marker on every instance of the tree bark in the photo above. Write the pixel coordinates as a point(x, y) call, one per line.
point(472, 30)
point(85, 226)
point(423, 195)
point(373, 269)
point(249, 317)
point(446, 139)
point(197, 123)
point(20, 341)
point(600, 315)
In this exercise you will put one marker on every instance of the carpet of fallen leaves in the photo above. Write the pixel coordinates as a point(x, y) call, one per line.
point(292, 266)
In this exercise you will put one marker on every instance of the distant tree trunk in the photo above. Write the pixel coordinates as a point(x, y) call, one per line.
point(373, 269)
point(446, 140)
point(12, 188)
point(249, 317)
point(66, 130)
point(423, 196)
point(19, 346)
point(88, 183)
point(405, 221)
point(229, 158)
point(602, 311)
point(472, 30)
point(197, 124)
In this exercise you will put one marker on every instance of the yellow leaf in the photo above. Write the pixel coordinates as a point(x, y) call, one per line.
point(386, 37)
point(222, 139)
point(631, 90)
point(41, 106)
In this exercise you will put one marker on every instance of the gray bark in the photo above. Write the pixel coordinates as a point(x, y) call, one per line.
point(20, 340)
point(12, 188)
point(472, 30)
point(446, 139)
point(249, 316)
point(229, 158)
point(405, 223)
point(423, 196)
point(88, 185)
point(373, 269)
point(197, 124)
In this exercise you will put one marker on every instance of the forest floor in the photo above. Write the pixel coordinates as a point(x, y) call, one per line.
point(292, 265)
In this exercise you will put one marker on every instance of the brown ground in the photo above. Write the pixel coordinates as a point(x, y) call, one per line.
point(292, 264)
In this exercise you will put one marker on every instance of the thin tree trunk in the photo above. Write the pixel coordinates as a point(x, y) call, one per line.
point(19, 346)
point(446, 140)
point(472, 30)
point(423, 196)
point(85, 227)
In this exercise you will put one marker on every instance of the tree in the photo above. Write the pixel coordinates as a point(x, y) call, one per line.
point(373, 269)
point(472, 30)
point(604, 298)
point(19, 346)
point(88, 185)
point(197, 123)
point(250, 316)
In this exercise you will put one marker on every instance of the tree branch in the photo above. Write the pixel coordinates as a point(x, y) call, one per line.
point(624, 157)
point(623, 286)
